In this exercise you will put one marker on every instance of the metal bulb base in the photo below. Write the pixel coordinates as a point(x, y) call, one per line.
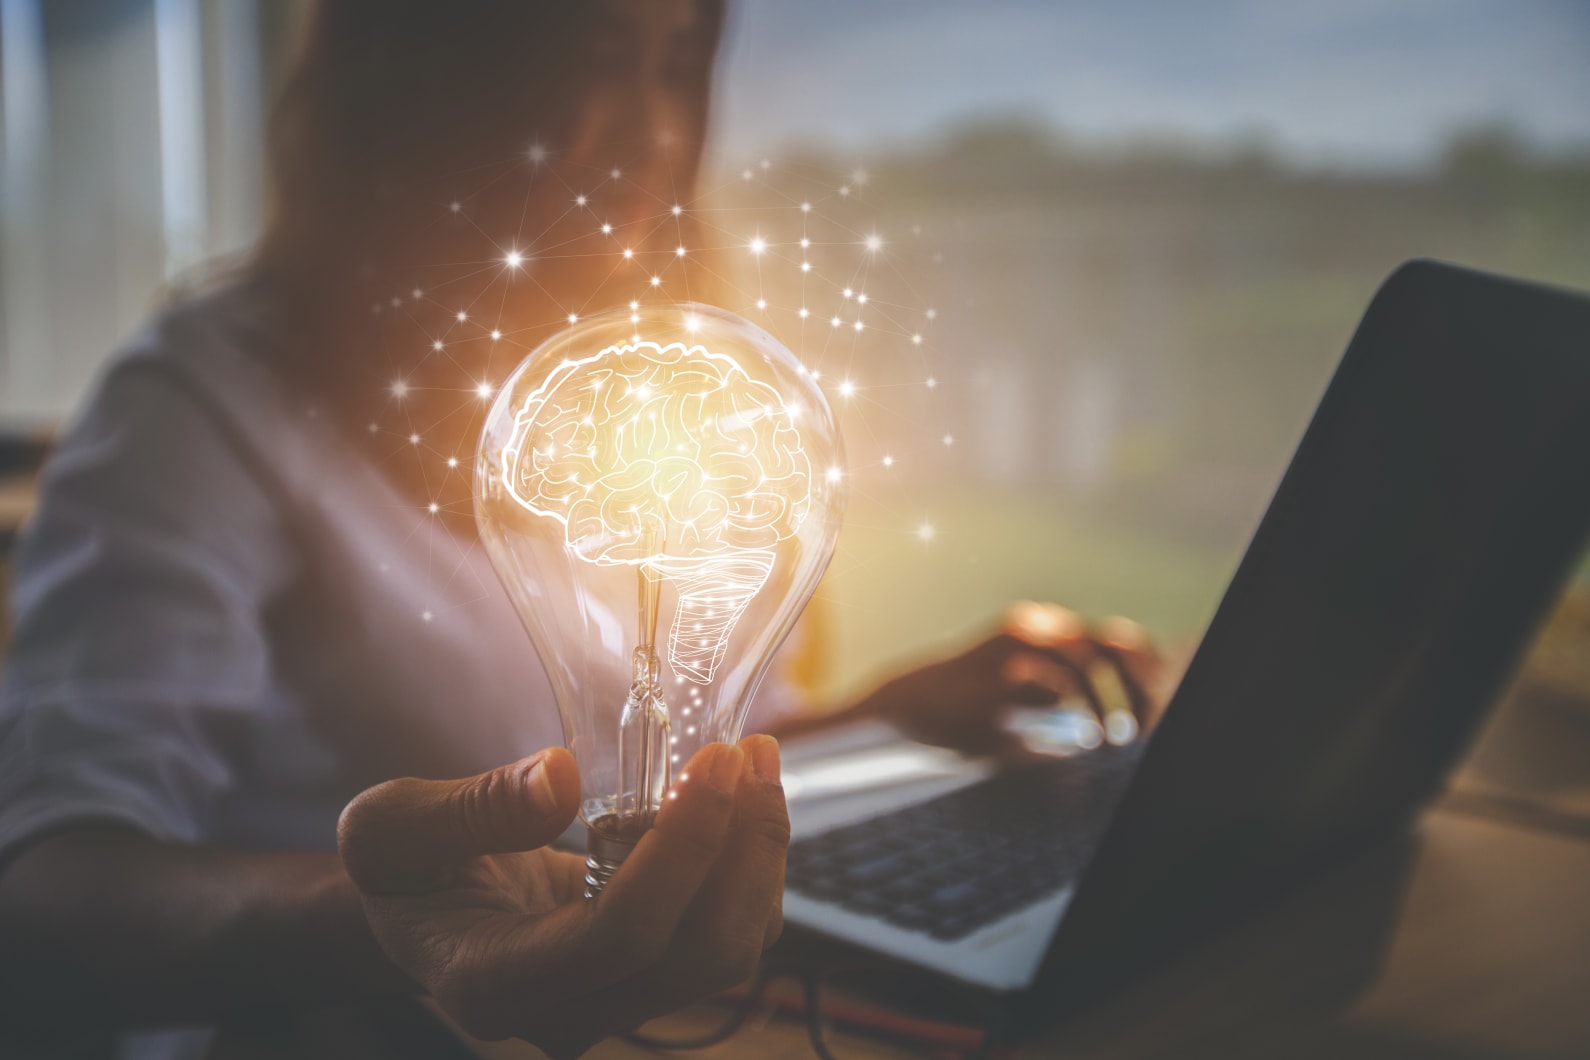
point(606, 849)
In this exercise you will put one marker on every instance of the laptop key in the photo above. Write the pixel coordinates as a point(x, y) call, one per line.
point(874, 871)
point(959, 894)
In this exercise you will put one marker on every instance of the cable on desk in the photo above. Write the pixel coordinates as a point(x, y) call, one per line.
point(812, 982)
point(811, 1010)
point(737, 1017)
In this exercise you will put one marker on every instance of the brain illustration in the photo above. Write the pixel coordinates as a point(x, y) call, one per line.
point(659, 455)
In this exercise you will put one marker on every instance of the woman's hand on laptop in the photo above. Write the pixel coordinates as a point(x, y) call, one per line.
point(463, 896)
point(1041, 654)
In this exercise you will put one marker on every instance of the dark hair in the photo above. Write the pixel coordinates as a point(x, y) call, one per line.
point(387, 103)
point(390, 106)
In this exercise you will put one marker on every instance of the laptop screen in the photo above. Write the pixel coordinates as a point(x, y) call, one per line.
point(1425, 524)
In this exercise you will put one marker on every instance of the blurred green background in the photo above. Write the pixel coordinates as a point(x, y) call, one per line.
point(1128, 346)
point(1147, 230)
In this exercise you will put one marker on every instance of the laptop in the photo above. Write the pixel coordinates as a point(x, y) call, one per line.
point(1434, 508)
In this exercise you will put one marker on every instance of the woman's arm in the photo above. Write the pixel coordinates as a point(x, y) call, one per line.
point(109, 927)
point(104, 924)
point(139, 653)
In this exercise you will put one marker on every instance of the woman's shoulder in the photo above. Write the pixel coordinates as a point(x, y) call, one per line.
point(195, 384)
point(212, 341)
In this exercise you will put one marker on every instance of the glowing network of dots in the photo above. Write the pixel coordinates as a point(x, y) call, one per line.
point(793, 248)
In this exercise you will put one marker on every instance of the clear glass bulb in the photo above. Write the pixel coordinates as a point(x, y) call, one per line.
point(660, 490)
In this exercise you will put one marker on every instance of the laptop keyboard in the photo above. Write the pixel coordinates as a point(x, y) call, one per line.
point(953, 864)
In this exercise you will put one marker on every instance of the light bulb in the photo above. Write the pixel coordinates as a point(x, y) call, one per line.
point(654, 488)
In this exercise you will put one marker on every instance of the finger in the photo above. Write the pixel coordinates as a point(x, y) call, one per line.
point(742, 903)
point(1128, 649)
point(1062, 636)
point(638, 911)
point(1033, 678)
point(1045, 625)
point(406, 836)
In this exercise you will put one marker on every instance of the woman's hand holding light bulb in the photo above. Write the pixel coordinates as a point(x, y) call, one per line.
point(463, 895)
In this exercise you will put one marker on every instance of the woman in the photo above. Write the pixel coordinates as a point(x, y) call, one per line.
point(232, 616)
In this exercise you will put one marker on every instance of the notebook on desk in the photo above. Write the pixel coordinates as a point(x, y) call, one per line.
point(1427, 520)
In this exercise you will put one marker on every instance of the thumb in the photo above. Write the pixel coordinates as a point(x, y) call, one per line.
point(407, 835)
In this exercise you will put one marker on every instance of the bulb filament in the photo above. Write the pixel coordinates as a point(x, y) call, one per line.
point(643, 726)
